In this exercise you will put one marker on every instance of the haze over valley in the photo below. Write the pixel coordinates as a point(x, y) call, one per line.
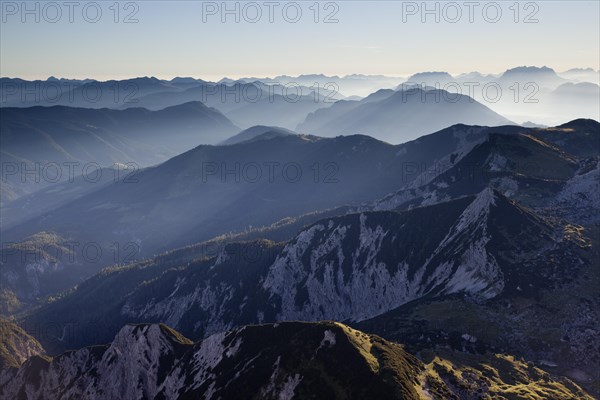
point(393, 200)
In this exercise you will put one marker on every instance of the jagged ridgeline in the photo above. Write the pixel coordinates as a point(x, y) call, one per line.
point(351, 267)
point(554, 168)
point(325, 360)
point(487, 262)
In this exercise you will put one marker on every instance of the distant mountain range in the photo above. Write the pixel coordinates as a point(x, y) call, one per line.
point(172, 130)
point(397, 117)
point(258, 132)
point(521, 163)
point(249, 103)
point(582, 75)
point(492, 227)
point(199, 199)
point(525, 93)
point(543, 77)
point(86, 93)
point(458, 264)
point(287, 100)
point(245, 103)
point(349, 85)
point(36, 137)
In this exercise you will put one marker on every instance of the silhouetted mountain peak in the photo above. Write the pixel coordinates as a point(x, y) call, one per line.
point(190, 106)
point(429, 76)
point(258, 132)
point(529, 70)
point(583, 123)
point(185, 79)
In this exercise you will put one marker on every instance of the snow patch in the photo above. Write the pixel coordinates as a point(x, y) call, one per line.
point(328, 340)
point(287, 392)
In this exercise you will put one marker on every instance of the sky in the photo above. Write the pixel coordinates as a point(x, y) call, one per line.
point(200, 39)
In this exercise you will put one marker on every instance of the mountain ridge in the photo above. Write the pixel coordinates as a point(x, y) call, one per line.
point(328, 360)
point(401, 116)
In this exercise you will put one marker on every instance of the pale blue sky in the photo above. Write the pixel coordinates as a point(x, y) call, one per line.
point(171, 39)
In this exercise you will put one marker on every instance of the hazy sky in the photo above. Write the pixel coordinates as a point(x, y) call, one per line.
point(189, 38)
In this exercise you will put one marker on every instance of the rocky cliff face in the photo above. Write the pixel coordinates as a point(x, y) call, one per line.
point(347, 268)
point(16, 345)
point(281, 361)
